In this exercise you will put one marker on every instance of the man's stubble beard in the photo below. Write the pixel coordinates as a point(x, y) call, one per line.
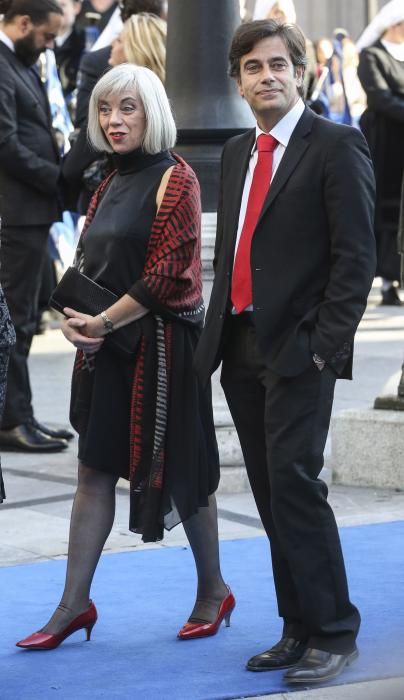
point(26, 50)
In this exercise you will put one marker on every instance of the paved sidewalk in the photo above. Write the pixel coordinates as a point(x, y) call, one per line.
point(34, 519)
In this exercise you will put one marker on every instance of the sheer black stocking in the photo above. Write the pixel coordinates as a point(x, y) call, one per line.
point(92, 518)
point(202, 534)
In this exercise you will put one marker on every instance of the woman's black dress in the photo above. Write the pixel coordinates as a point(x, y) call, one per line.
point(115, 246)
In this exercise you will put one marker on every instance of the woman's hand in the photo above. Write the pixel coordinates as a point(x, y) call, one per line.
point(83, 331)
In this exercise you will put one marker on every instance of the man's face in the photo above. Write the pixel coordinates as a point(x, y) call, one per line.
point(123, 120)
point(37, 38)
point(269, 81)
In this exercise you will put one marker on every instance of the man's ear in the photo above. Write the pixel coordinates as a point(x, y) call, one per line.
point(240, 88)
point(299, 73)
point(24, 24)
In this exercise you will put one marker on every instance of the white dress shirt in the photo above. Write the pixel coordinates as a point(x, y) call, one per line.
point(282, 132)
point(110, 31)
point(395, 50)
point(7, 41)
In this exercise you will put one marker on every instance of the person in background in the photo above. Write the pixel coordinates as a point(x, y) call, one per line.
point(69, 47)
point(7, 340)
point(29, 203)
point(338, 94)
point(294, 262)
point(401, 233)
point(355, 94)
point(103, 8)
point(142, 42)
point(324, 49)
point(285, 11)
point(141, 416)
point(95, 63)
point(381, 72)
point(115, 24)
point(62, 128)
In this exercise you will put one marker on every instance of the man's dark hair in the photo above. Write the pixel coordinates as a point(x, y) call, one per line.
point(37, 10)
point(133, 7)
point(249, 34)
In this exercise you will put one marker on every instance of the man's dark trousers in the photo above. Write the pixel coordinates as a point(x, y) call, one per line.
point(282, 424)
point(21, 279)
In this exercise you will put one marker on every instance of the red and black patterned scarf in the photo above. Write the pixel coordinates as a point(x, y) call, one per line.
point(171, 287)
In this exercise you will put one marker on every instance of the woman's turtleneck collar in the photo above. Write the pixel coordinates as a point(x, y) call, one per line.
point(136, 160)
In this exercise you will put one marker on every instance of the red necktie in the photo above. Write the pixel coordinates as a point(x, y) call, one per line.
point(241, 288)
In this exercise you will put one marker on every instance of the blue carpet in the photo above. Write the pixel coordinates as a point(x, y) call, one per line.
point(144, 596)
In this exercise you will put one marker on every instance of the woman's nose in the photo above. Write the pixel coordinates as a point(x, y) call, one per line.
point(116, 117)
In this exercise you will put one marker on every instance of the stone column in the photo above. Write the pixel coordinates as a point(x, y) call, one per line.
point(207, 107)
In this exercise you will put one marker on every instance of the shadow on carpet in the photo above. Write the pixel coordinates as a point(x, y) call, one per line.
point(143, 597)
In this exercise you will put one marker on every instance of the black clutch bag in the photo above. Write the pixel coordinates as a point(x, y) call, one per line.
point(79, 292)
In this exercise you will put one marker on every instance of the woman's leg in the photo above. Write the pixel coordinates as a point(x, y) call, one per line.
point(92, 517)
point(202, 534)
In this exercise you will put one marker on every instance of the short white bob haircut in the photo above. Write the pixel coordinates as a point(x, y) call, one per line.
point(160, 132)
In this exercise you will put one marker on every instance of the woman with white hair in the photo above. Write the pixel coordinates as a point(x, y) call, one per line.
point(143, 417)
point(381, 72)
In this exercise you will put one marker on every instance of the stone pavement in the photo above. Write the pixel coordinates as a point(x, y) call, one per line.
point(34, 518)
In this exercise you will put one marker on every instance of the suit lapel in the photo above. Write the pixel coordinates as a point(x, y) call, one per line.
point(235, 182)
point(295, 150)
point(21, 72)
point(34, 91)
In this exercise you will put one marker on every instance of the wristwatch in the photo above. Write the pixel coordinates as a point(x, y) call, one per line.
point(108, 325)
point(318, 361)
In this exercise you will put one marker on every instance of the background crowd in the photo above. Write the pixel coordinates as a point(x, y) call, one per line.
point(70, 120)
point(348, 80)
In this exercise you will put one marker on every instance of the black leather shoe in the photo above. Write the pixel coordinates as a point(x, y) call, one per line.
point(390, 297)
point(27, 438)
point(57, 434)
point(317, 666)
point(284, 654)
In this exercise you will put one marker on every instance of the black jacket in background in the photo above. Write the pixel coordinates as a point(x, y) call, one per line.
point(93, 65)
point(382, 78)
point(29, 158)
point(68, 57)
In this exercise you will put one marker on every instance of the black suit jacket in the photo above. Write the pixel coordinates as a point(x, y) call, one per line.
point(29, 160)
point(68, 57)
point(312, 254)
point(92, 66)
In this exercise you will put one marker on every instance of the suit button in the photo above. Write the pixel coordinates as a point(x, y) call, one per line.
point(220, 315)
point(258, 269)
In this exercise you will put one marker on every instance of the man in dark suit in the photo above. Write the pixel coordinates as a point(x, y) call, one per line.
point(29, 172)
point(69, 47)
point(294, 262)
point(381, 72)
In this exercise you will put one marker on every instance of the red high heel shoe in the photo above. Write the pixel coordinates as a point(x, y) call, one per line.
point(195, 630)
point(43, 640)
